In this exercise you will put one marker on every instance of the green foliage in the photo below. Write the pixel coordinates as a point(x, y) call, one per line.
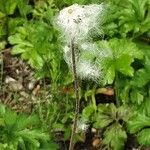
point(88, 112)
point(37, 42)
point(115, 137)
point(29, 43)
point(131, 19)
point(27, 26)
point(135, 89)
point(135, 17)
point(105, 115)
point(141, 77)
point(2, 45)
point(8, 8)
point(21, 131)
point(138, 122)
point(108, 117)
point(144, 137)
point(144, 108)
point(120, 54)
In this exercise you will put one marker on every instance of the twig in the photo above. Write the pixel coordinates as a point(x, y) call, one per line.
point(76, 87)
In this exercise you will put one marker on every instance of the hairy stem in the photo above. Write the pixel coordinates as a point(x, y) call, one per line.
point(76, 87)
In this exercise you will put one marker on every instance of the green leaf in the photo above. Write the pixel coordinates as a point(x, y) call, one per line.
point(33, 137)
point(109, 113)
point(58, 127)
point(2, 122)
point(119, 54)
point(24, 8)
point(22, 144)
point(2, 15)
point(124, 113)
point(144, 107)
point(19, 39)
point(141, 78)
point(14, 24)
point(49, 144)
point(39, 51)
point(102, 121)
point(10, 118)
point(124, 89)
point(18, 49)
point(24, 121)
point(115, 136)
point(133, 16)
point(10, 6)
point(67, 133)
point(2, 44)
point(29, 136)
point(136, 97)
point(144, 137)
point(110, 74)
point(123, 65)
point(88, 112)
point(105, 115)
point(137, 122)
point(2, 110)
point(122, 47)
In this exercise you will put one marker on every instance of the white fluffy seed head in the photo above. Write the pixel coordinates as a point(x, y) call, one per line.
point(76, 20)
point(89, 46)
point(87, 70)
point(76, 23)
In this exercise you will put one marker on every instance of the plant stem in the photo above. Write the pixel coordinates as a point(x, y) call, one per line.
point(76, 88)
point(93, 98)
point(116, 90)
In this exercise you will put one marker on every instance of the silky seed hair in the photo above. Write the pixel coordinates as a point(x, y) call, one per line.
point(77, 20)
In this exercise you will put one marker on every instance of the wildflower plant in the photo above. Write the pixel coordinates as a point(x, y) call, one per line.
point(99, 61)
point(76, 22)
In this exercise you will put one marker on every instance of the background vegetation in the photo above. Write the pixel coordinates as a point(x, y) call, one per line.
point(113, 113)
